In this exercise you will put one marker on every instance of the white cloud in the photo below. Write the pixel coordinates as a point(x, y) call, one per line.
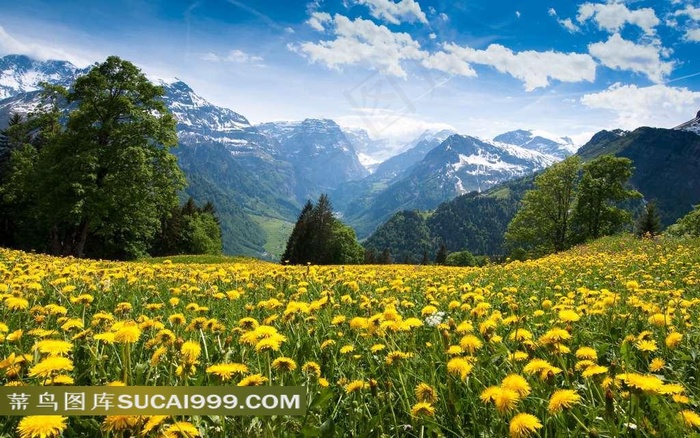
point(657, 105)
point(534, 68)
point(692, 31)
point(693, 35)
point(565, 23)
point(395, 13)
point(41, 52)
point(318, 20)
point(517, 14)
point(443, 16)
point(363, 42)
point(614, 15)
point(620, 54)
point(690, 11)
point(234, 56)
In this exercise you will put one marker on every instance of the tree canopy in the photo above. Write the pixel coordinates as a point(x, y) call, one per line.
point(91, 173)
point(572, 203)
point(320, 238)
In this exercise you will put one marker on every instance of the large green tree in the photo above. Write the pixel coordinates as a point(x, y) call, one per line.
point(602, 188)
point(102, 181)
point(320, 238)
point(543, 222)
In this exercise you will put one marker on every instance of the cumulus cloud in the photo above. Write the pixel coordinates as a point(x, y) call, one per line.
point(534, 68)
point(362, 41)
point(614, 15)
point(620, 54)
point(318, 20)
point(657, 105)
point(394, 13)
point(234, 56)
point(692, 22)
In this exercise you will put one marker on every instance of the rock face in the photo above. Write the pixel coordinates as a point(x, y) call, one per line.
point(692, 125)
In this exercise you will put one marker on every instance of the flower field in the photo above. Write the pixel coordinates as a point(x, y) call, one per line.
point(598, 341)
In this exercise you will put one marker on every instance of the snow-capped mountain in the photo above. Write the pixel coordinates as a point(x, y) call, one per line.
point(370, 151)
point(560, 147)
point(320, 152)
point(21, 74)
point(458, 165)
point(692, 125)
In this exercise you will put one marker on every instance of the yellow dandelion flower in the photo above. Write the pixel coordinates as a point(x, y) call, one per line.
point(562, 399)
point(594, 370)
point(646, 345)
point(657, 364)
point(586, 353)
point(505, 400)
point(470, 343)
point(673, 339)
point(690, 418)
point(354, 386)
point(225, 371)
point(397, 357)
point(460, 367)
point(345, 349)
point(522, 425)
point(426, 393)
point(422, 409)
point(284, 364)
point(43, 426)
point(568, 316)
point(16, 303)
point(181, 429)
point(377, 348)
point(516, 383)
point(489, 394)
point(127, 334)
point(115, 423)
point(153, 422)
point(51, 365)
point(190, 351)
point(253, 380)
point(312, 368)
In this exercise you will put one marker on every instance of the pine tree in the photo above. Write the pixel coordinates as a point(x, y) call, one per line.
point(296, 251)
point(441, 255)
point(649, 222)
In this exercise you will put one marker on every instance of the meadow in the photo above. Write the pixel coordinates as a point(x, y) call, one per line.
point(601, 340)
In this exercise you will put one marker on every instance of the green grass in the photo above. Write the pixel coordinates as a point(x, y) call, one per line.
point(277, 231)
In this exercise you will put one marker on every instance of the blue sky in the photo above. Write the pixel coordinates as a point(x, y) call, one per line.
point(396, 67)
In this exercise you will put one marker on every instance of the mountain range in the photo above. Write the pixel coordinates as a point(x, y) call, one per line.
point(259, 176)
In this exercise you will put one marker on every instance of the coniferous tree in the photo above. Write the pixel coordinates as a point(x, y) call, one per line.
point(385, 257)
point(441, 255)
point(297, 244)
point(649, 222)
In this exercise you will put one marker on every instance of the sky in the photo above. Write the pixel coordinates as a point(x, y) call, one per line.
point(396, 67)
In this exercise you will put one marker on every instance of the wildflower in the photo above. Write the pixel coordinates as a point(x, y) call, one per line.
point(153, 422)
point(673, 339)
point(594, 370)
point(284, 364)
point(119, 422)
point(646, 345)
point(312, 368)
point(191, 351)
point(44, 426)
point(426, 393)
point(422, 409)
point(562, 399)
point(51, 365)
point(690, 418)
point(127, 334)
point(459, 366)
point(397, 357)
point(586, 353)
point(568, 316)
point(181, 429)
point(253, 380)
point(516, 383)
point(657, 364)
point(505, 400)
point(470, 343)
point(226, 370)
point(355, 385)
point(522, 425)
